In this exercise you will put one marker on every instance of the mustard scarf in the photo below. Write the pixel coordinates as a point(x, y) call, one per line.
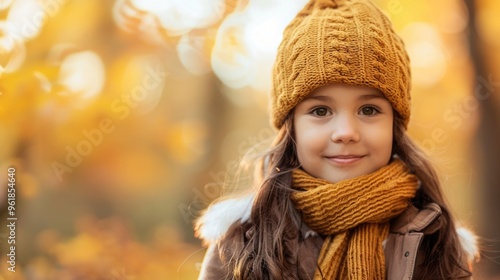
point(354, 214)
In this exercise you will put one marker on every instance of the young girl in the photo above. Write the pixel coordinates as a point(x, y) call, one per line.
point(343, 192)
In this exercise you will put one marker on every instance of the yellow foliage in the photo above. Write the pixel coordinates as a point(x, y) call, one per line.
point(105, 91)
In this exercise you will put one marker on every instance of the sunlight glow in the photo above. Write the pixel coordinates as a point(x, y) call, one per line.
point(179, 17)
point(192, 54)
point(231, 59)
point(426, 53)
point(83, 74)
point(24, 21)
point(4, 4)
point(247, 42)
point(27, 18)
point(12, 50)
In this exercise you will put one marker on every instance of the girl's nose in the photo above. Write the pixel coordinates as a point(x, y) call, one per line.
point(345, 129)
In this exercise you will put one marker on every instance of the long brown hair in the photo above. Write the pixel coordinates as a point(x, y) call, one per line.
point(444, 256)
point(266, 247)
point(268, 251)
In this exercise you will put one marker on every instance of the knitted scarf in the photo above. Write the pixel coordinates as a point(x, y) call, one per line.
point(354, 214)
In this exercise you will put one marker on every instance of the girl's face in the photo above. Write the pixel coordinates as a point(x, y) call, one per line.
point(343, 131)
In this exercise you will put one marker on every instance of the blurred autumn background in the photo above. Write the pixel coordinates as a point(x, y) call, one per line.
point(124, 118)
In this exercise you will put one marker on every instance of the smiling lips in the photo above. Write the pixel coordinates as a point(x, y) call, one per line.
point(345, 159)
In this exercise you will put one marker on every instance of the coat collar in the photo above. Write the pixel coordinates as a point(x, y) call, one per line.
point(217, 219)
point(422, 220)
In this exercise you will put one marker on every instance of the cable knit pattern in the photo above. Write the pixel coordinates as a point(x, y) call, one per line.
point(334, 41)
point(354, 215)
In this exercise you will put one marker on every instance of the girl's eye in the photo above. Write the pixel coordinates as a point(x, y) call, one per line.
point(369, 110)
point(320, 112)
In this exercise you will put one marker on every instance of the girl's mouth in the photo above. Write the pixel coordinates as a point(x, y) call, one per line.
point(345, 159)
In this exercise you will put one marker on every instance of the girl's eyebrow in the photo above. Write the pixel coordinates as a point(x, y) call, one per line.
point(371, 96)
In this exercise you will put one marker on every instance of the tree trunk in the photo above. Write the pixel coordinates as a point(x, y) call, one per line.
point(486, 90)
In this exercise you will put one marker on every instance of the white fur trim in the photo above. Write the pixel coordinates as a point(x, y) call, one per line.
point(221, 215)
point(310, 233)
point(468, 241)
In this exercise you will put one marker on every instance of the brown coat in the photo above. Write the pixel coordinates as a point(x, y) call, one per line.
point(402, 246)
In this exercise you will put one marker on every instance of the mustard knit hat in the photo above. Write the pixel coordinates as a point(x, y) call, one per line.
point(340, 41)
